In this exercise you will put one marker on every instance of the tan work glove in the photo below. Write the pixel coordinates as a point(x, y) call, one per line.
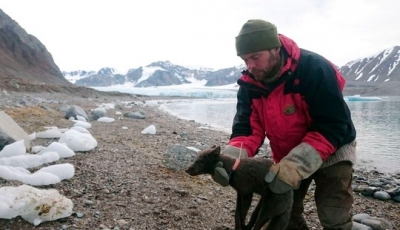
point(299, 164)
point(220, 175)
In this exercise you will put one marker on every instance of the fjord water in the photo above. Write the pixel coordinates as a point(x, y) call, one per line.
point(377, 124)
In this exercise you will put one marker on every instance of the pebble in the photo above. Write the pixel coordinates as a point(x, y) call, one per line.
point(375, 182)
point(364, 221)
point(122, 222)
point(377, 224)
point(378, 185)
point(102, 226)
point(361, 216)
point(368, 191)
point(381, 195)
point(88, 202)
point(396, 199)
point(358, 226)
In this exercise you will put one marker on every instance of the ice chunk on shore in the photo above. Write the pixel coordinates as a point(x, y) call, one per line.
point(78, 141)
point(61, 148)
point(33, 205)
point(30, 160)
point(32, 136)
point(37, 148)
point(62, 171)
point(26, 177)
point(80, 129)
point(149, 130)
point(14, 149)
point(106, 119)
point(80, 118)
point(50, 133)
point(83, 124)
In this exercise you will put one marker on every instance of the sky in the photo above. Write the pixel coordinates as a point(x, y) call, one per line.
point(124, 34)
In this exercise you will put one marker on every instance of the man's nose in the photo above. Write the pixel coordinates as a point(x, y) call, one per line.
point(250, 65)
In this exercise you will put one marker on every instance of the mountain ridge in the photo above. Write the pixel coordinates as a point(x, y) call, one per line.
point(372, 75)
point(25, 61)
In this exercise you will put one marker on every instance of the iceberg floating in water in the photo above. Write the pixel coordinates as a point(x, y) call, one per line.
point(359, 98)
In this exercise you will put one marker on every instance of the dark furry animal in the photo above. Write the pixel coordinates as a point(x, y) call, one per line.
point(247, 179)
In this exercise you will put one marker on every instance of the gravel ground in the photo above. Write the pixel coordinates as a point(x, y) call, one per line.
point(122, 184)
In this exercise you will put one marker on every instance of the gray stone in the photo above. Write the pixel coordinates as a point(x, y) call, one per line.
point(368, 191)
point(358, 226)
point(396, 199)
point(11, 129)
point(381, 195)
point(394, 191)
point(361, 216)
point(75, 110)
point(135, 115)
point(375, 182)
point(385, 181)
point(357, 188)
point(99, 112)
point(64, 108)
point(360, 178)
point(88, 202)
point(178, 157)
point(374, 224)
point(377, 224)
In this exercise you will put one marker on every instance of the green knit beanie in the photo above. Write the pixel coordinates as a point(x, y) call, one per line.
point(257, 35)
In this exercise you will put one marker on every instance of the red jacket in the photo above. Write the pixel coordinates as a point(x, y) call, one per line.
point(304, 105)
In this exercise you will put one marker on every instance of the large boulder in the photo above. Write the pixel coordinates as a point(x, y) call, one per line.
point(98, 112)
point(10, 131)
point(75, 110)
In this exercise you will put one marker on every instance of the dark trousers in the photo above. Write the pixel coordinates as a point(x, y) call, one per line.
point(333, 198)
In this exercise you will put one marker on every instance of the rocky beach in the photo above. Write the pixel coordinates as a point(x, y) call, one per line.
point(136, 181)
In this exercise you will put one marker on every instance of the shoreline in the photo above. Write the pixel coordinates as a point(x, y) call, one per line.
point(362, 164)
point(125, 178)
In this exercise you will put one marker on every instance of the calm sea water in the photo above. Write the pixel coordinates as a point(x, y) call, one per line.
point(377, 124)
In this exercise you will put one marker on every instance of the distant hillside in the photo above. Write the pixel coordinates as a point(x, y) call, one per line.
point(381, 67)
point(24, 57)
point(374, 75)
point(161, 73)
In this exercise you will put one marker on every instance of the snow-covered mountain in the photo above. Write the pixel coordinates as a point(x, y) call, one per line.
point(76, 75)
point(161, 73)
point(375, 74)
point(378, 68)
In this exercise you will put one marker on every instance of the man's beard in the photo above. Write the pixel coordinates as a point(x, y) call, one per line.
point(271, 75)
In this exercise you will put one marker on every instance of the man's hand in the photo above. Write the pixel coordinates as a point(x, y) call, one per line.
point(299, 164)
point(220, 175)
